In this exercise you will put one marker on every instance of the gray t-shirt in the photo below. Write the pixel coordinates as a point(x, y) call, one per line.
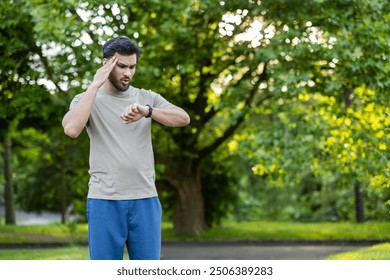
point(121, 156)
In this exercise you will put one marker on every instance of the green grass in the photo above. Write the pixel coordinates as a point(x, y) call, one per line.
point(54, 233)
point(65, 253)
point(73, 234)
point(377, 252)
point(57, 233)
point(289, 231)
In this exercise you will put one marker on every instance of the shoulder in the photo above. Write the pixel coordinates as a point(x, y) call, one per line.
point(76, 99)
point(144, 92)
point(147, 96)
point(78, 96)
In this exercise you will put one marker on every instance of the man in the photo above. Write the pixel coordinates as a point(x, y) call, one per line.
point(122, 205)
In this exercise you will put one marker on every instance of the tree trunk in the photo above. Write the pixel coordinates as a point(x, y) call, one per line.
point(359, 203)
point(9, 189)
point(189, 216)
point(63, 196)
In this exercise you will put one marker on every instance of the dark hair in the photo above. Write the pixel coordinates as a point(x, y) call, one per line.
point(121, 45)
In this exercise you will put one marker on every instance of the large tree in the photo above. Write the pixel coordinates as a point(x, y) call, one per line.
point(223, 61)
point(190, 56)
point(21, 97)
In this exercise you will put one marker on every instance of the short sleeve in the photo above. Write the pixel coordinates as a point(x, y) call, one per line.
point(75, 100)
point(159, 101)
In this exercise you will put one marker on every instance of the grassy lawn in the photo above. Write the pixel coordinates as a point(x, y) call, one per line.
point(377, 252)
point(65, 253)
point(54, 233)
point(293, 231)
point(74, 234)
point(57, 233)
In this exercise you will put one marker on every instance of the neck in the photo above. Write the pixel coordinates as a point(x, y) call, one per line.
point(108, 86)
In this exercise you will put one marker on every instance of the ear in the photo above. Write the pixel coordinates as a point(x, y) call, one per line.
point(105, 60)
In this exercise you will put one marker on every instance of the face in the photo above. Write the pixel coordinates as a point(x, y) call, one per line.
point(124, 70)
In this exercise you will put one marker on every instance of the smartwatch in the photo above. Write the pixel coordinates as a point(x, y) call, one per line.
point(150, 111)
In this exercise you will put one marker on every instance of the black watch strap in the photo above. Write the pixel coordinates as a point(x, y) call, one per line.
point(150, 111)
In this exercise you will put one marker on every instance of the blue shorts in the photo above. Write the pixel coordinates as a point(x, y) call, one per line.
point(112, 224)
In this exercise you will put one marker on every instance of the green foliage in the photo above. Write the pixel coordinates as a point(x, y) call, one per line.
point(219, 191)
point(257, 199)
point(316, 156)
point(329, 115)
point(21, 97)
point(297, 89)
point(56, 175)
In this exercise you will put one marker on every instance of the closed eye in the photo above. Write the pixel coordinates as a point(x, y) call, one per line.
point(121, 65)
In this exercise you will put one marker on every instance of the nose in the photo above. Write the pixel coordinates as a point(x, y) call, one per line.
point(128, 72)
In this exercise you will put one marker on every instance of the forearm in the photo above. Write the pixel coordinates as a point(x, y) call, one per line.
point(171, 116)
point(75, 119)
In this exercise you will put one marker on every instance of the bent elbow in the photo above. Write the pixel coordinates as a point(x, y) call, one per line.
point(72, 133)
point(186, 120)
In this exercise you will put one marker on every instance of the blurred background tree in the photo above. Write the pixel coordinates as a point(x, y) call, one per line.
point(295, 92)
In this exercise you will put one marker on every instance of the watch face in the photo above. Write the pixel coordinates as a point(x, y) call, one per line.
point(150, 110)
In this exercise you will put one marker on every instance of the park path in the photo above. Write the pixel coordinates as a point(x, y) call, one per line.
point(23, 218)
point(254, 250)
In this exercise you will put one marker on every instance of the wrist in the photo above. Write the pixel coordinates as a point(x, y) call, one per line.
point(94, 87)
point(149, 112)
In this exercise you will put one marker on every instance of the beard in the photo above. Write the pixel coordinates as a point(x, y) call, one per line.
point(117, 84)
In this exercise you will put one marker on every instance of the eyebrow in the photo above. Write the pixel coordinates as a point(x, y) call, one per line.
point(126, 65)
